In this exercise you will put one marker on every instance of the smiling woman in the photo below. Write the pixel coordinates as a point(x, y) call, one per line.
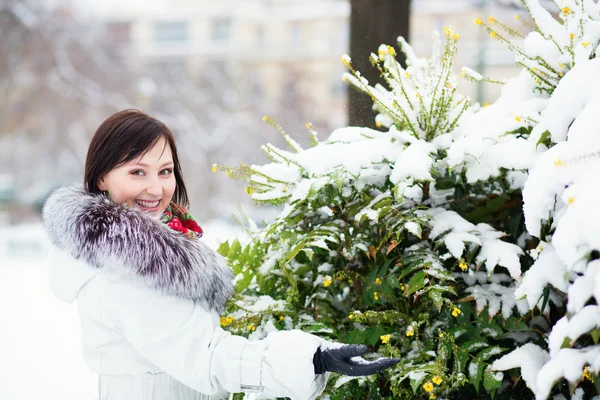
point(136, 169)
point(150, 291)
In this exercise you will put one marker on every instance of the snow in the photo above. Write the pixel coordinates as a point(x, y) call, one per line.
point(548, 269)
point(529, 357)
point(39, 339)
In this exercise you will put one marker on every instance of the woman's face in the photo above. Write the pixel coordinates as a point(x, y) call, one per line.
point(147, 183)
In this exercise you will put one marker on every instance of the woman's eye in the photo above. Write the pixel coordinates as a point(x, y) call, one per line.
point(166, 171)
point(137, 172)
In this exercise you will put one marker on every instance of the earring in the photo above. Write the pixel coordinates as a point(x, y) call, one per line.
point(104, 193)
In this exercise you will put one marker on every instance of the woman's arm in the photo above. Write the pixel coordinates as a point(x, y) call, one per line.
point(185, 341)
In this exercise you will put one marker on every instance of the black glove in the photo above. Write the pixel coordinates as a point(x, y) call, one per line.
point(339, 360)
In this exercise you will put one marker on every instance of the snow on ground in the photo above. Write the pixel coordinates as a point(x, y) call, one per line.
point(40, 342)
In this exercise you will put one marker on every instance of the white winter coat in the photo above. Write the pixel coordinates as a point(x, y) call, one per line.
point(149, 314)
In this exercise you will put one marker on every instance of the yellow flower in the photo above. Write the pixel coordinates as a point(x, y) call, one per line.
point(281, 317)
point(407, 74)
point(284, 189)
point(350, 281)
point(566, 10)
point(251, 327)
point(327, 281)
point(517, 17)
point(486, 104)
point(463, 265)
point(463, 74)
point(456, 36)
point(344, 78)
point(431, 396)
point(351, 316)
point(378, 281)
point(376, 295)
point(492, 20)
point(437, 380)
point(249, 190)
point(410, 331)
point(441, 335)
point(265, 118)
point(226, 320)
point(346, 60)
point(571, 200)
point(558, 162)
point(478, 21)
point(428, 386)
point(561, 66)
point(560, 73)
point(572, 36)
point(456, 312)
point(518, 119)
point(533, 69)
point(585, 44)
point(214, 168)
point(587, 374)
point(385, 338)
point(493, 35)
point(402, 287)
point(228, 173)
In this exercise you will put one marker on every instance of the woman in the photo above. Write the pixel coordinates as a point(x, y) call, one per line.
point(150, 291)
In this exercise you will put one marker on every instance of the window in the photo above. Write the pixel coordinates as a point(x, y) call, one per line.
point(221, 29)
point(260, 35)
point(118, 32)
point(171, 31)
point(295, 34)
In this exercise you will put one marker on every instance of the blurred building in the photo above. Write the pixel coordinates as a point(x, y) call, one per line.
point(281, 56)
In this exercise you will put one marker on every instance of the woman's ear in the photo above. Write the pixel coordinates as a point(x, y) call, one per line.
point(101, 184)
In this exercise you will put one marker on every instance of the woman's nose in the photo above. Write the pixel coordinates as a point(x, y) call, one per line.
point(154, 188)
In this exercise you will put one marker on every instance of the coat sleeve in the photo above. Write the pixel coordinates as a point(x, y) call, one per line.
point(185, 341)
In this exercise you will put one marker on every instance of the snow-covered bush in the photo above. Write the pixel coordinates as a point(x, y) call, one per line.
point(458, 238)
point(381, 242)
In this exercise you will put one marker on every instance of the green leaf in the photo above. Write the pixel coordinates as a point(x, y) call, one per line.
point(223, 249)
point(544, 139)
point(460, 359)
point(494, 204)
point(373, 334)
point(316, 327)
point(595, 335)
point(437, 299)
point(416, 282)
point(354, 336)
point(473, 345)
point(492, 381)
point(475, 372)
point(490, 352)
point(546, 298)
point(234, 249)
point(416, 380)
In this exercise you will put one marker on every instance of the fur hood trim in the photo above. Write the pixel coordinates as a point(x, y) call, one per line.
point(102, 233)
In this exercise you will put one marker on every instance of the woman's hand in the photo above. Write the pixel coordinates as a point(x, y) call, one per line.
point(340, 360)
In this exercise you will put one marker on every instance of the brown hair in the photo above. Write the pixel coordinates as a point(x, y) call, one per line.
point(125, 136)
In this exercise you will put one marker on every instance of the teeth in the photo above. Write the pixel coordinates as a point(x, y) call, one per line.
point(148, 204)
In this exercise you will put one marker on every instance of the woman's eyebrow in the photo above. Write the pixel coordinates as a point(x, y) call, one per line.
point(147, 166)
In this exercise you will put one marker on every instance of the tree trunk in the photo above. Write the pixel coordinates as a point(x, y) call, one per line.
point(373, 22)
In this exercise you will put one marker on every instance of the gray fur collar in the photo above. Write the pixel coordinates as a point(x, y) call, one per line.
point(102, 233)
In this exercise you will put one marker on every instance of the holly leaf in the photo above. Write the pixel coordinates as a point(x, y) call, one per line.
point(476, 372)
point(416, 282)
